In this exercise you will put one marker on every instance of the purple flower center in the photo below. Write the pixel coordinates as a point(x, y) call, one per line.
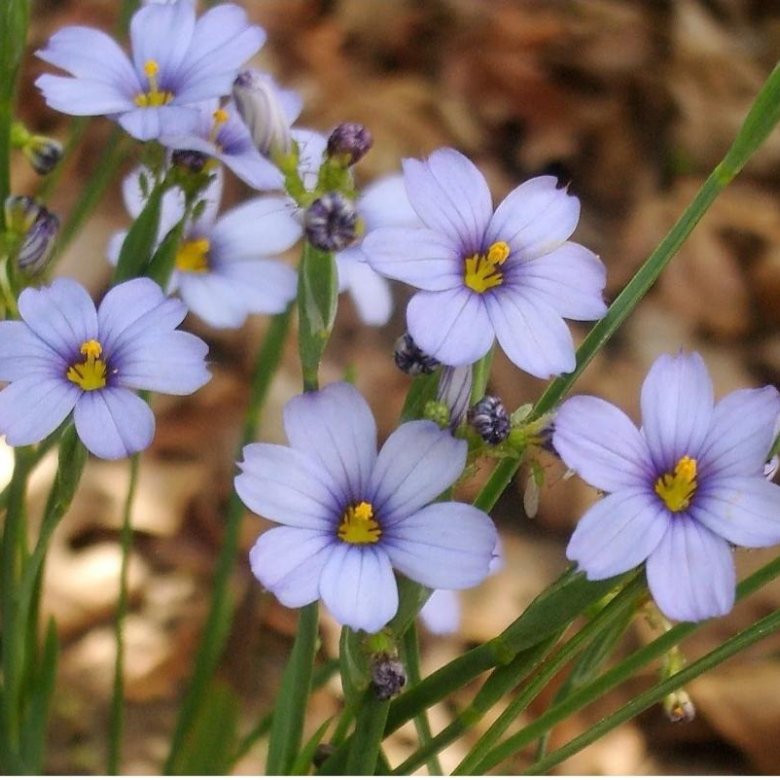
point(154, 96)
point(676, 488)
point(91, 373)
point(482, 269)
point(359, 526)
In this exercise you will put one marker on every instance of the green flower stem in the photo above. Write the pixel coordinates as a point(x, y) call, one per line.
point(503, 679)
point(480, 376)
point(367, 737)
point(118, 694)
point(12, 636)
point(217, 626)
point(744, 639)
point(14, 18)
point(322, 674)
point(761, 119)
point(624, 604)
point(411, 649)
point(106, 168)
point(614, 676)
point(287, 723)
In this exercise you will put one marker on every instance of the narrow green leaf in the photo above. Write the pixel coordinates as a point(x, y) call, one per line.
point(212, 741)
point(140, 240)
point(290, 711)
point(422, 390)
point(34, 733)
point(317, 303)
point(163, 260)
point(355, 675)
point(367, 738)
point(303, 763)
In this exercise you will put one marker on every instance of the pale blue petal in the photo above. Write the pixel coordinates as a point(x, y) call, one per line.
point(677, 405)
point(82, 97)
point(417, 256)
point(384, 203)
point(289, 562)
point(31, 408)
point(336, 425)
point(171, 363)
point(451, 197)
point(452, 326)
point(358, 587)
point(260, 227)
point(145, 124)
point(91, 54)
point(534, 218)
point(264, 286)
point(600, 443)
point(253, 169)
point(311, 148)
point(62, 314)
point(23, 353)
point(740, 434)
point(133, 310)
point(743, 510)
point(162, 32)
point(113, 422)
point(691, 573)
point(618, 533)
point(418, 462)
point(369, 291)
point(214, 298)
point(570, 280)
point(531, 333)
point(441, 613)
point(289, 487)
point(448, 545)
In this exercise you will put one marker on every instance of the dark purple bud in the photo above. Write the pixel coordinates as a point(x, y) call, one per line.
point(331, 222)
point(490, 419)
point(411, 359)
point(189, 160)
point(33, 229)
point(43, 153)
point(349, 142)
point(388, 676)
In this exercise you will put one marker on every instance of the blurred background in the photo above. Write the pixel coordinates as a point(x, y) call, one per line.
point(632, 103)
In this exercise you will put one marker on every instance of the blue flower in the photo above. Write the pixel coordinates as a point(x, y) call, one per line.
point(64, 356)
point(349, 516)
point(177, 61)
point(226, 267)
point(509, 274)
point(682, 488)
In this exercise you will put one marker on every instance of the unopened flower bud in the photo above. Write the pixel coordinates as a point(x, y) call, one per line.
point(43, 153)
point(349, 142)
point(411, 359)
point(455, 391)
point(388, 676)
point(189, 160)
point(33, 230)
point(490, 419)
point(259, 102)
point(331, 222)
point(679, 708)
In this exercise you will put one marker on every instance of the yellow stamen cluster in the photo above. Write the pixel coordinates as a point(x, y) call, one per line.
point(91, 374)
point(153, 96)
point(220, 116)
point(358, 525)
point(482, 269)
point(676, 488)
point(193, 256)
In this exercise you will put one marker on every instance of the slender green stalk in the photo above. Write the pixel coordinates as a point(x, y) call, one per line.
point(624, 604)
point(287, 724)
point(106, 168)
point(12, 637)
point(614, 676)
point(218, 621)
point(367, 738)
point(480, 376)
point(411, 648)
point(744, 639)
point(118, 694)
